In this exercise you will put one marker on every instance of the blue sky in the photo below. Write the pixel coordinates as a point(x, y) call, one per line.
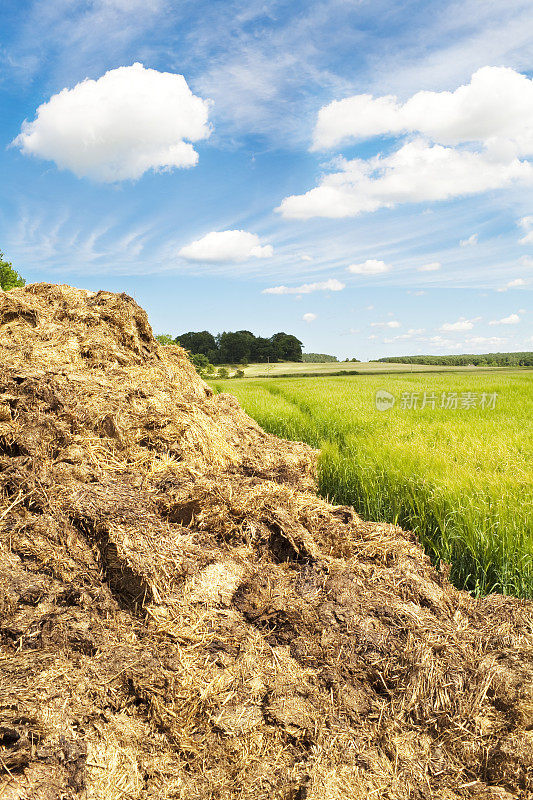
point(324, 151)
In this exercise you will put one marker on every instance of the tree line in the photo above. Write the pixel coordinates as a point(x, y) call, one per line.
point(523, 359)
point(239, 347)
point(318, 358)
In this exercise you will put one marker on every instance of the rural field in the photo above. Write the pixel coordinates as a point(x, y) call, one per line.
point(290, 368)
point(458, 475)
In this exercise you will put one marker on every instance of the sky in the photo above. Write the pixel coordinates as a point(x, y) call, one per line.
point(358, 173)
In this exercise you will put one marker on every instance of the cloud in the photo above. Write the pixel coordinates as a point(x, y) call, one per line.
point(393, 323)
point(495, 108)
point(465, 142)
point(416, 172)
point(512, 284)
point(305, 257)
point(411, 333)
point(512, 319)
point(461, 325)
point(432, 267)
point(118, 127)
point(331, 285)
point(490, 340)
point(440, 341)
point(233, 246)
point(369, 267)
point(309, 317)
point(470, 242)
point(526, 223)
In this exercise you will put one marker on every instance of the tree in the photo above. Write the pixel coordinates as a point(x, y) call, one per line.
point(200, 361)
point(319, 358)
point(165, 339)
point(263, 350)
point(233, 347)
point(197, 342)
point(241, 347)
point(9, 278)
point(288, 347)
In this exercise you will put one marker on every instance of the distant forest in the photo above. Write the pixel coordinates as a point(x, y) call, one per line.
point(318, 358)
point(486, 359)
point(241, 347)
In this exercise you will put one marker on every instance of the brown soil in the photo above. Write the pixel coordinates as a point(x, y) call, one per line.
point(182, 617)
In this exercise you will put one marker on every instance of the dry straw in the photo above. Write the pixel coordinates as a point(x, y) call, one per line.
point(182, 617)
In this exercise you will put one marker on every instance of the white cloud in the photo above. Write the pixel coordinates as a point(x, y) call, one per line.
point(116, 128)
point(369, 267)
point(470, 242)
point(411, 333)
point(493, 341)
point(417, 172)
point(512, 284)
point(305, 257)
point(512, 319)
point(233, 246)
point(432, 267)
point(331, 285)
point(461, 325)
point(441, 342)
point(309, 317)
point(470, 141)
point(495, 108)
point(393, 323)
point(526, 223)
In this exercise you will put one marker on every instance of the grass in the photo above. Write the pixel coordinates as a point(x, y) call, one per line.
point(460, 478)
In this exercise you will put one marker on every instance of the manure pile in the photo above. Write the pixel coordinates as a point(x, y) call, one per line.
point(182, 617)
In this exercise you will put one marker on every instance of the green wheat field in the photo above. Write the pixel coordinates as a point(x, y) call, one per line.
point(457, 472)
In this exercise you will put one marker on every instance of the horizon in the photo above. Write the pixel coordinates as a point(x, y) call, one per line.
point(348, 358)
point(358, 175)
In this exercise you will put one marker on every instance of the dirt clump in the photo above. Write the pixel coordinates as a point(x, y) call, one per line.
point(182, 617)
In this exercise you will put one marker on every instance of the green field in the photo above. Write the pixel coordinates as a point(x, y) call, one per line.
point(290, 368)
point(461, 478)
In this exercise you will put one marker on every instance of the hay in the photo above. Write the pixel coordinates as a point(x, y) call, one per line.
point(182, 617)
